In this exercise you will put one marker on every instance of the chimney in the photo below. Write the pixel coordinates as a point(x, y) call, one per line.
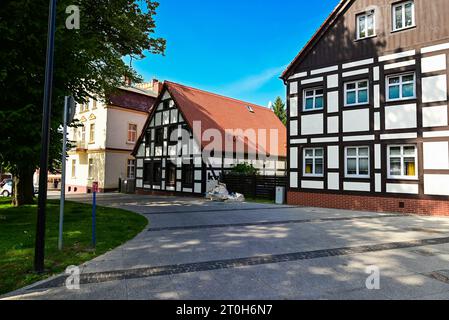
point(156, 85)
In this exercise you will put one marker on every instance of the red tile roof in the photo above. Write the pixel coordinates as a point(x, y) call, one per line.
point(223, 113)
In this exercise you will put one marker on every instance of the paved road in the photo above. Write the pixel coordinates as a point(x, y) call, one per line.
point(194, 249)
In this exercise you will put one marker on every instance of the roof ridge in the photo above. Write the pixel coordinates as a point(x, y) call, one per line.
point(218, 95)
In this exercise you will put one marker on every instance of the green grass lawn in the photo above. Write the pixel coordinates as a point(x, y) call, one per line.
point(17, 235)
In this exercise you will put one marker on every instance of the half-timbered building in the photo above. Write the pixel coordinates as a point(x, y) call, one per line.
point(192, 136)
point(368, 125)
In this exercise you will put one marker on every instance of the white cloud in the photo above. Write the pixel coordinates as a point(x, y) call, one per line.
point(253, 82)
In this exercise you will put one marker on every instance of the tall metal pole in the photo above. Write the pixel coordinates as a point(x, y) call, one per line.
point(63, 173)
point(43, 168)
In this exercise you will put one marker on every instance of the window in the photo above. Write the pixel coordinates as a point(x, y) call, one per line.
point(357, 162)
point(73, 168)
point(132, 133)
point(313, 162)
point(157, 173)
point(159, 137)
point(92, 133)
point(83, 134)
point(187, 175)
point(85, 106)
point(170, 179)
point(94, 104)
point(401, 87)
point(403, 15)
point(402, 162)
point(148, 139)
point(366, 25)
point(356, 93)
point(91, 168)
point(313, 99)
point(147, 172)
point(173, 135)
point(131, 169)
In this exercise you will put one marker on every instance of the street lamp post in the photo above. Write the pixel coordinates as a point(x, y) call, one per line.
point(43, 168)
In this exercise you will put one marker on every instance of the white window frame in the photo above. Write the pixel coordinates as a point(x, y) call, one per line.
point(357, 157)
point(402, 156)
point(90, 168)
point(366, 15)
point(129, 130)
point(131, 163)
point(92, 133)
point(403, 4)
point(83, 134)
point(315, 96)
point(356, 90)
point(400, 84)
point(314, 158)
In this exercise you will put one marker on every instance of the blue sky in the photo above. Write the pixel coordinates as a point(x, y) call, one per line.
point(237, 48)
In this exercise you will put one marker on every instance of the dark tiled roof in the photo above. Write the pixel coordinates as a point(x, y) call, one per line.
point(134, 99)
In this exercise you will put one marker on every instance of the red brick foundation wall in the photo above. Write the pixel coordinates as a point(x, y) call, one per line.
point(369, 203)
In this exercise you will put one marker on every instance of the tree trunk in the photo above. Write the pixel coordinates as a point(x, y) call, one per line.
point(23, 187)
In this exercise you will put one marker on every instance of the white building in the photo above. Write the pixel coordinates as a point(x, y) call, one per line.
point(106, 139)
point(368, 125)
point(192, 136)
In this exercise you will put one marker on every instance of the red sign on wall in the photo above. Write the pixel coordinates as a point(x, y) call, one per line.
point(95, 187)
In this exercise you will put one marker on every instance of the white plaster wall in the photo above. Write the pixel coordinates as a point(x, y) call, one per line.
point(357, 186)
point(116, 167)
point(293, 87)
point(436, 184)
point(306, 184)
point(376, 96)
point(433, 63)
point(333, 181)
point(435, 116)
point(332, 81)
point(293, 180)
point(333, 157)
point(436, 155)
point(402, 188)
point(356, 120)
point(332, 124)
point(333, 101)
point(377, 157)
point(378, 182)
point(294, 107)
point(294, 158)
point(377, 121)
point(434, 88)
point(294, 128)
point(117, 133)
point(400, 117)
point(312, 124)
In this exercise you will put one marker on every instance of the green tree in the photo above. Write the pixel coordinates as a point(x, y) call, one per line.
point(89, 62)
point(244, 168)
point(279, 110)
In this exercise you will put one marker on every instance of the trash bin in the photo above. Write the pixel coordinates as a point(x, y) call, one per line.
point(280, 195)
point(128, 186)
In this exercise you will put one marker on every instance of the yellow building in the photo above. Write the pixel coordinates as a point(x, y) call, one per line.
point(106, 139)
